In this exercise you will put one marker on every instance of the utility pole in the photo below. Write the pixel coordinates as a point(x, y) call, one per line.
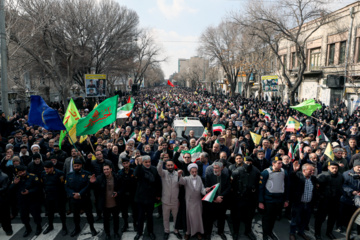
point(4, 83)
point(347, 50)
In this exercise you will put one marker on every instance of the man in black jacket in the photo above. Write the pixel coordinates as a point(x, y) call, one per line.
point(245, 185)
point(216, 210)
point(5, 204)
point(28, 191)
point(77, 186)
point(148, 190)
point(55, 196)
point(127, 194)
point(330, 192)
point(302, 195)
point(107, 185)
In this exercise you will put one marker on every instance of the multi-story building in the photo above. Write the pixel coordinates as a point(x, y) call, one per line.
point(332, 59)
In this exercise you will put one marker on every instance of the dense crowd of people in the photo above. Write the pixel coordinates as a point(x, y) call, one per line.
point(139, 163)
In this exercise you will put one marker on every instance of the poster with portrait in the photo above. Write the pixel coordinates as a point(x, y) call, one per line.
point(129, 84)
point(95, 85)
point(270, 83)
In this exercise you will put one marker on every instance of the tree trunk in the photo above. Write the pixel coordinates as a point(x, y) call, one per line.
point(291, 96)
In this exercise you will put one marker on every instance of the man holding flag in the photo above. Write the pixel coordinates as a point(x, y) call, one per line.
point(216, 210)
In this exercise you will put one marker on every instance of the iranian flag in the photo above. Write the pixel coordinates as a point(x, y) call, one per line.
point(132, 135)
point(241, 112)
point(291, 153)
point(209, 197)
point(218, 128)
point(203, 112)
point(267, 117)
point(195, 153)
point(156, 116)
point(216, 112)
point(125, 111)
point(292, 125)
point(205, 133)
point(340, 121)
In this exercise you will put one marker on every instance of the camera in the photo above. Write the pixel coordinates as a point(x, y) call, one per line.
point(354, 175)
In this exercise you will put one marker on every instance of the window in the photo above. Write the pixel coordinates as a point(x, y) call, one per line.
point(284, 61)
point(331, 54)
point(342, 52)
point(293, 60)
point(315, 58)
point(358, 50)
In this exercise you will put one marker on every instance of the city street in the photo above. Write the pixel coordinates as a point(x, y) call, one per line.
point(281, 230)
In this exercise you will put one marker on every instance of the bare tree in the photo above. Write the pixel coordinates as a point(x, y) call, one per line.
point(287, 20)
point(221, 45)
point(154, 76)
point(68, 37)
point(147, 53)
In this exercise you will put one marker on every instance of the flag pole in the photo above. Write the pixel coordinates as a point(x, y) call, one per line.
point(321, 121)
point(71, 140)
point(318, 120)
point(92, 147)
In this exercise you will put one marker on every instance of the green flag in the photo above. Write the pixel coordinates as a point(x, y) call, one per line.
point(103, 115)
point(71, 117)
point(307, 107)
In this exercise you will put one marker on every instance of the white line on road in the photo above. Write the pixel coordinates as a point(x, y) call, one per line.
point(16, 227)
point(85, 233)
point(50, 235)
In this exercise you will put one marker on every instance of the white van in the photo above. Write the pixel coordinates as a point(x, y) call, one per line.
point(193, 123)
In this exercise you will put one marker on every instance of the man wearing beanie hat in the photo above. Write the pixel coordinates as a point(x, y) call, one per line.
point(329, 192)
point(55, 196)
point(351, 189)
point(77, 186)
point(27, 187)
point(245, 183)
point(343, 164)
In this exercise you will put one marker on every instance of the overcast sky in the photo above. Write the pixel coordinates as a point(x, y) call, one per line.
point(177, 24)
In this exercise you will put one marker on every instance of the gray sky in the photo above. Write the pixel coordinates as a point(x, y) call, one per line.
point(177, 24)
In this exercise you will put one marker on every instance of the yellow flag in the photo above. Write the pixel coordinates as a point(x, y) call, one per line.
point(83, 138)
point(139, 137)
point(93, 157)
point(96, 104)
point(329, 151)
point(72, 134)
point(195, 92)
point(163, 98)
point(255, 137)
point(260, 111)
point(199, 108)
point(162, 116)
point(156, 106)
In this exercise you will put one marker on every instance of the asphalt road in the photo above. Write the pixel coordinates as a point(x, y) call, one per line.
point(281, 230)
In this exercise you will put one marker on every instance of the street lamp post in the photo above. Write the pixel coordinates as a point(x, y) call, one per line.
point(4, 83)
